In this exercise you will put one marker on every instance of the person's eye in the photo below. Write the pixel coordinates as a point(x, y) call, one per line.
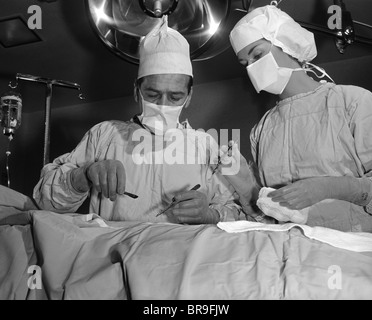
point(152, 96)
point(176, 98)
point(256, 56)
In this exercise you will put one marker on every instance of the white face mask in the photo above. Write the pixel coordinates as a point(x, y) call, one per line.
point(265, 74)
point(160, 118)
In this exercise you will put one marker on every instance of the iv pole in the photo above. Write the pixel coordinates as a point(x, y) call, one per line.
point(49, 89)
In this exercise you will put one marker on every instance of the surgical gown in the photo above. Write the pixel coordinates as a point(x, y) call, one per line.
point(326, 132)
point(152, 173)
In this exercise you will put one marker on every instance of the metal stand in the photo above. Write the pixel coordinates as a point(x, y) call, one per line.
point(49, 86)
point(8, 153)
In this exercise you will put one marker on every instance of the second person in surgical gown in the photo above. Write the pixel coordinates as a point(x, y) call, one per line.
point(315, 145)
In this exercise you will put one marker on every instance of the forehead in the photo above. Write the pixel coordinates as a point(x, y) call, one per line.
point(166, 82)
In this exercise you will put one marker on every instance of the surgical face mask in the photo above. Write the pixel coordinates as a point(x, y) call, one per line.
point(160, 118)
point(265, 74)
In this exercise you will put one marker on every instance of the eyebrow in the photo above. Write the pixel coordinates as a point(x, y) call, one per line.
point(178, 92)
point(151, 89)
point(249, 52)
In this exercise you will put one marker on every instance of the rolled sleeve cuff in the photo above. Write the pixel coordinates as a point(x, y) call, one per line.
point(67, 182)
point(368, 206)
point(232, 212)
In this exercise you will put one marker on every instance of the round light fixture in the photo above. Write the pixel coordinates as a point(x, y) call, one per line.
point(158, 8)
point(121, 24)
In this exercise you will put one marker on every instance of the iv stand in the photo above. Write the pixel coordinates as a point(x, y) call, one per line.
point(49, 88)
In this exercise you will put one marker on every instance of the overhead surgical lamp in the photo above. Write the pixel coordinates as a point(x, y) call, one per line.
point(158, 8)
point(121, 24)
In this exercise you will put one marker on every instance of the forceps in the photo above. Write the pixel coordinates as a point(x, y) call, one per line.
point(174, 201)
point(219, 162)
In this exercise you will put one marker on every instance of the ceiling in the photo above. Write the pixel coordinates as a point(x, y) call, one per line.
point(70, 50)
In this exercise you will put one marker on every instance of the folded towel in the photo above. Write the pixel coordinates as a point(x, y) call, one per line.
point(275, 210)
point(90, 220)
point(353, 241)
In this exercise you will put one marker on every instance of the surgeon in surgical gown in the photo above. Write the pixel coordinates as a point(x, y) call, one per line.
point(315, 145)
point(153, 155)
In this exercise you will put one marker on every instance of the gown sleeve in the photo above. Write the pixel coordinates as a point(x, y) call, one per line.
point(54, 190)
point(359, 109)
point(358, 105)
point(223, 196)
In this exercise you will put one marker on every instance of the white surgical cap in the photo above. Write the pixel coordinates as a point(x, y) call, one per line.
point(164, 50)
point(276, 26)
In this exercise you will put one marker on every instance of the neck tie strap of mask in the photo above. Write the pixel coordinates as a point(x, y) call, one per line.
point(308, 67)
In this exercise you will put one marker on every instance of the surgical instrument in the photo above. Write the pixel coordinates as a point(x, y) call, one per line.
point(174, 201)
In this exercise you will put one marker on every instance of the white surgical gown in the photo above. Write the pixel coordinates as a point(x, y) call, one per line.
point(150, 173)
point(326, 132)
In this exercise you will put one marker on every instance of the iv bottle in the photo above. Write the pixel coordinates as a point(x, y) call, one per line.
point(10, 112)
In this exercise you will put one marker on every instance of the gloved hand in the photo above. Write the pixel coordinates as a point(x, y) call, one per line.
point(304, 193)
point(280, 213)
point(193, 208)
point(236, 170)
point(107, 177)
point(240, 174)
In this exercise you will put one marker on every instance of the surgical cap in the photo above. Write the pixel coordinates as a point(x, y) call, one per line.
point(164, 50)
point(276, 26)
